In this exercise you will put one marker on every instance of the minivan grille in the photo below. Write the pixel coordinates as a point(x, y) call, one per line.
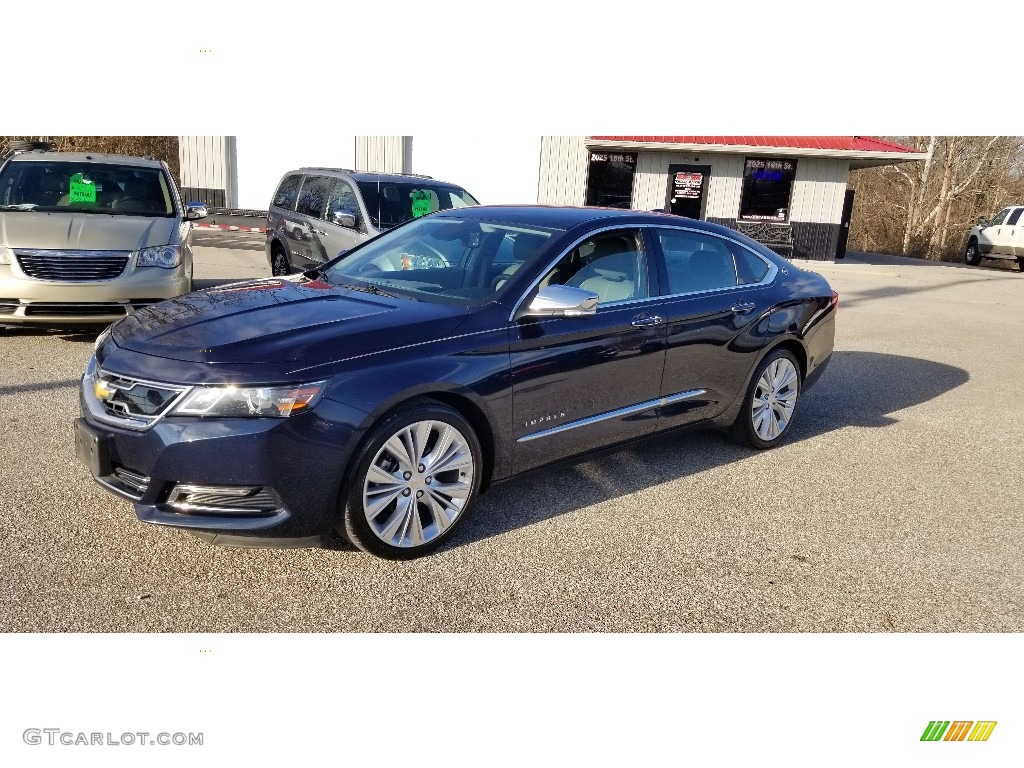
point(72, 266)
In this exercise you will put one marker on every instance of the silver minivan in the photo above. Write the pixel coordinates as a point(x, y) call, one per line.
point(318, 213)
point(89, 238)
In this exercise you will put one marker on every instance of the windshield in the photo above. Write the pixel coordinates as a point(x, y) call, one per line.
point(441, 259)
point(85, 188)
point(390, 203)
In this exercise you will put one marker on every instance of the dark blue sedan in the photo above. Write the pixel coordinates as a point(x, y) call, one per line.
point(380, 394)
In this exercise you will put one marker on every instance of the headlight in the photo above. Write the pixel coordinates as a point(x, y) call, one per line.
point(166, 256)
point(5, 254)
point(250, 401)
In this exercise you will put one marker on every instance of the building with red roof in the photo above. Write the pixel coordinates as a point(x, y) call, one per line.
point(789, 192)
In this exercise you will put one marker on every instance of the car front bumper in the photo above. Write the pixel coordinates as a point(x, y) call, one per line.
point(25, 300)
point(298, 463)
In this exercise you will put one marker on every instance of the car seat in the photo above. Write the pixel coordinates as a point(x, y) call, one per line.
point(524, 246)
point(611, 271)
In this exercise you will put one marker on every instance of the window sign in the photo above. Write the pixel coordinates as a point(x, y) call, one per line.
point(82, 190)
point(767, 186)
point(421, 204)
point(687, 185)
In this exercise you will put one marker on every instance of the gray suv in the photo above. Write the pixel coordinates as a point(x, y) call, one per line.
point(317, 213)
point(89, 238)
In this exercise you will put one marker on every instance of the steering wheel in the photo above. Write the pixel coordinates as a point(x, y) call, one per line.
point(130, 202)
point(437, 255)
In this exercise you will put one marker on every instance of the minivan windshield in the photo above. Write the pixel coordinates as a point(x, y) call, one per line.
point(390, 203)
point(68, 186)
point(449, 260)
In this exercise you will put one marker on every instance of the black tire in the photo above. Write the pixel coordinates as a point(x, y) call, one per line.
point(354, 524)
point(744, 430)
point(972, 256)
point(1020, 263)
point(280, 266)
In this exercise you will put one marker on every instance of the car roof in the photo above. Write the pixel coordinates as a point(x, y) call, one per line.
point(566, 217)
point(382, 177)
point(85, 157)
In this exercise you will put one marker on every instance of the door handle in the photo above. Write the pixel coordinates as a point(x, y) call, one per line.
point(647, 322)
point(742, 309)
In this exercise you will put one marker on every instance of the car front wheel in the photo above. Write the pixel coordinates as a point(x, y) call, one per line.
point(770, 402)
point(972, 255)
point(414, 481)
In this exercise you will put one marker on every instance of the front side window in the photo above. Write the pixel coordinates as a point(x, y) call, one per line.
point(1000, 217)
point(390, 203)
point(313, 196)
point(610, 179)
point(66, 186)
point(612, 265)
point(438, 259)
point(767, 187)
point(696, 262)
point(342, 200)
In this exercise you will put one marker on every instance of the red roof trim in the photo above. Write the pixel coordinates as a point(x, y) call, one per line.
point(827, 143)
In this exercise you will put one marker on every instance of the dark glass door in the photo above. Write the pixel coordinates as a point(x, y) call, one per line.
point(687, 189)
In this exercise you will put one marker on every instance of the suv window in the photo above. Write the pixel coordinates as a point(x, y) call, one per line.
point(343, 198)
point(107, 188)
point(1000, 217)
point(313, 196)
point(287, 192)
point(612, 265)
point(390, 203)
point(1015, 216)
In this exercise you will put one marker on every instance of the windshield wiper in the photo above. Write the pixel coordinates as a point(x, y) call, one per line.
point(20, 207)
point(371, 288)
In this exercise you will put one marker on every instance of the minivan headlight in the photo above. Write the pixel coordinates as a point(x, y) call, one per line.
point(166, 256)
point(5, 254)
point(273, 402)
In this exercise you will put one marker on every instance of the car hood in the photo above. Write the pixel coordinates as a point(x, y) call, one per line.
point(84, 231)
point(280, 320)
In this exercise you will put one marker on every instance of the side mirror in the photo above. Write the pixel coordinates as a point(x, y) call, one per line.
point(345, 219)
point(195, 211)
point(562, 301)
point(982, 221)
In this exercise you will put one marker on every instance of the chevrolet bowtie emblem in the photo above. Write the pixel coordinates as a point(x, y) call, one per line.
point(99, 388)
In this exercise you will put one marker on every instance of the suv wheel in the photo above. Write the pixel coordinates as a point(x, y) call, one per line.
point(972, 255)
point(414, 482)
point(280, 266)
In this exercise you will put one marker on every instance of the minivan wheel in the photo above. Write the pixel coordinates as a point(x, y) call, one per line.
point(1020, 263)
point(770, 403)
point(414, 481)
point(280, 266)
point(971, 255)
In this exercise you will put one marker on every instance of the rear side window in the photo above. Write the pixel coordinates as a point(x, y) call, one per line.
point(749, 268)
point(1015, 216)
point(696, 262)
point(287, 192)
point(313, 197)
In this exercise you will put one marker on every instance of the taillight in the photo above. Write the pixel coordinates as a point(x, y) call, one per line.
point(835, 301)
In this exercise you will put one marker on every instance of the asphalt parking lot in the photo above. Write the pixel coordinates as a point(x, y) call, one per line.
point(895, 505)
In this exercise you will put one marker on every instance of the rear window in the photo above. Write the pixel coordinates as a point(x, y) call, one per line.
point(390, 203)
point(287, 192)
point(107, 188)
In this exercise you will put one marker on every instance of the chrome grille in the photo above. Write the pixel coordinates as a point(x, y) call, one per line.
point(127, 402)
point(127, 482)
point(72, 266)
point(224, 500)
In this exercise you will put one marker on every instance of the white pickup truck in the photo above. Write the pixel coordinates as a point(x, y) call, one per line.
point(1001, 238)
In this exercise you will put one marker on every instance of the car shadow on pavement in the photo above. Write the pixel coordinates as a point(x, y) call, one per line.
point(86, 333)
point(860, 389)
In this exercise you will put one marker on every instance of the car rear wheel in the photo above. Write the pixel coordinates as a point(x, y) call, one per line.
point(972, 255)
point(1020, 263)
point(280, 266)
point(770, 402)
point(414, 482)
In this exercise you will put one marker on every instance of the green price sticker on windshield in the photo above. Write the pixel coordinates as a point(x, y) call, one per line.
point(82, 190)
point(420, 203)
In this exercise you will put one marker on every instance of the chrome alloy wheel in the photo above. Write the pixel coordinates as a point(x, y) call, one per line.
point(775, 399)
point(418, 483)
